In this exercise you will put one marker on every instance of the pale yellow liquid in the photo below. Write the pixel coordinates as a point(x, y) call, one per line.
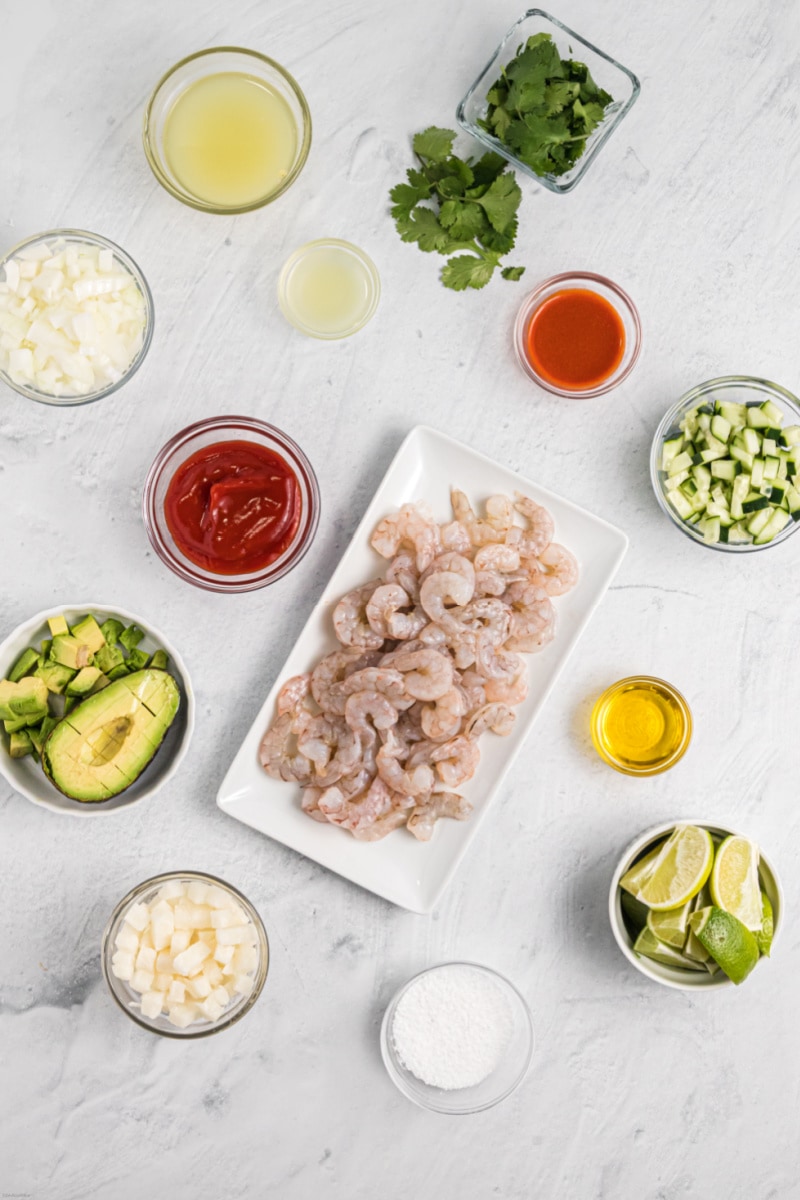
point(328, 291)
point(230, 139)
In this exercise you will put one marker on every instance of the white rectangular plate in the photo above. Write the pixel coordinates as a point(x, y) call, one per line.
point(410, 873)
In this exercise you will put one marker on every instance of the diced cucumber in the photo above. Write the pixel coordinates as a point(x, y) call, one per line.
point(671, 448)
point(702, 476)
point(771, 410)
point(738, 535)
point(723, 468)
point(769, 447)
point(757, 419)
point(708, 456)
point(757, 473)
point(734, 414)
point(751, 441)
point(778, 521)
point(791, 435)
point(720, 428)
point(776, 494)
point(741, 456)
point(709, 527)
point(681, 462)
point(683, 507)
point(704, 418)
point(771, 465)
point(755, 505)
point(758, 521)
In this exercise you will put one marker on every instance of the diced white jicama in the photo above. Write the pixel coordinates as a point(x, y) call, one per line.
point(142, 981)
point(38, 252)
point(242, 985)
point(224, 954)
point(152, 1004)
point(228, 918)
point(147, 938)
point(146, 959)
point(199, 987)
point(172, 890)
point(138, 916)
point(122, 965)
point(164, 962)
point(235, 935)
point(218, 897)
point(221, 995)
point(127, 938)
point(163, 981)
point(209, 937)
point(246, 958)
point(180, 940)
point(190, 960)
point(12, 274)
point(182, 1015)
point(162, 924)
point(177, 992)
point(197, 892)
point(213, 973)
point(211, 1009)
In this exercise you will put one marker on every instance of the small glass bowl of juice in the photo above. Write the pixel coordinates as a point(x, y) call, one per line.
point(329, 289)
point(578, 335)
point(641, 726)
point(227, 130)
point(231, 504)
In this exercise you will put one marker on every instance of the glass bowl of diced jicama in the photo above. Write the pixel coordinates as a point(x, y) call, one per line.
point(185, 954)
point(76, 317)
point(725, 464)
point(686, 967)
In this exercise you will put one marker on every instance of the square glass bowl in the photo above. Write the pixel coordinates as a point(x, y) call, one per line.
point(607, 73)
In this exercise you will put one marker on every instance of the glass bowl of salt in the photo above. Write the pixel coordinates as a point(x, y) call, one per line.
point(457, 1038)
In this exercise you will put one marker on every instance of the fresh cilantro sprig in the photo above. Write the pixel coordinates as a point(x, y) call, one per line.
point(543, 107)
point(452, 204)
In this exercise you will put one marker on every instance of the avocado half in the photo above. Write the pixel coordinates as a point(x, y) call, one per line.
point(102, 746)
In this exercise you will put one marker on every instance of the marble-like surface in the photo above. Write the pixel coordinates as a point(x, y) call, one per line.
point(637, 1092)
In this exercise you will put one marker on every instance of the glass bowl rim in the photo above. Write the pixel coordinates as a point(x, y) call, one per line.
point(133, 268)
point(267, 575)
point(189, 1032)
point(397, 1078)
point(296, 257)
point(677, 754)
point(185, 197)
point(535, 299)
point(670, 418)
point(492, 143)
point(633, 851)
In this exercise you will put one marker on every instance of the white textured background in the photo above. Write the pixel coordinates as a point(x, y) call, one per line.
point(637, 1093)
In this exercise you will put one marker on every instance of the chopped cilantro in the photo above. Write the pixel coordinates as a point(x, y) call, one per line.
point(544, 107)
point(451, 204)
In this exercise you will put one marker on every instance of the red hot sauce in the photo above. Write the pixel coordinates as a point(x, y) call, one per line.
point(575, 339)
point(233, 507)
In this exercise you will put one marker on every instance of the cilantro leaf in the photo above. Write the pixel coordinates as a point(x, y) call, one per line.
point(462, 220)
point(590, 114)
point(422, 226)
point(487, 168)
point(512, 272)
point(405, 197)
point(466, 270)
point(501, 243)
point(501, 201)
point(434, 144)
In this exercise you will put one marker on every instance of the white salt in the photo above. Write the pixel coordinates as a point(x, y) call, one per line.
point(451, 1027)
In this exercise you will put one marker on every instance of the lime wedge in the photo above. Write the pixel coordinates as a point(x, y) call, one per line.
point(764, 936)
point(648, 946)
point(632, 880)
point(672, 925)
point(680, 870)
point(734, 881)
point(634, 911)
point(727, 940)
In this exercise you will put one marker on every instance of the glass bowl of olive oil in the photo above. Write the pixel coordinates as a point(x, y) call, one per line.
point(227, 130)
point(641, 726)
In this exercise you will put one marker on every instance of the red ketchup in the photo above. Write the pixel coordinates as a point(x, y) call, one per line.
point(233, 507)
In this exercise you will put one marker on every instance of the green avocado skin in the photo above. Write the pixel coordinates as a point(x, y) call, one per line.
point(104, 743)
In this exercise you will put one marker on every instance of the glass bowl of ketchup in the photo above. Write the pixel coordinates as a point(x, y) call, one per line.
point(578, 335)
point(231, 504)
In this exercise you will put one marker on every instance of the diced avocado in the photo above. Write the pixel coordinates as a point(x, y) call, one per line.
point(47, 726)
point(23, 698)
point(84, 682)
point(136, 660)
point(37, 738)
point(69, 703)
point(55, 676)
point(131, 637)
point(159, 660)
point(58, 625)
point(118, 671)
point(102, 681)
point(68, 651)
point(25, 665)
point(111, 629)
point(21, 744)
point(108, 739)
point(108, 657)
point(89, 632)
point(45, 647)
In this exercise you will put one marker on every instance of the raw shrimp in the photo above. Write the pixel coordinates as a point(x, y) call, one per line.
point(500, 513)
point(293, 694)
point(508, 691)
point(367, 711)
point(379, 828)
point(361, 811)
point(442, 719)
point(494, 663)
point(561, 567)
point(278, 754)
point(412, 526)
point(456, 761)
point(532, 617)
point(489, 618)
point(455, 536)
point(480, 532)
point(328, 671)
point(384, 615)
point(350, 620)
point(451, 560)
point(331, 746)
point(494, 564)
point(414, 782)
point(439, 804)
point(386, 680)
point(497, 717)
point(442, 587)
point(402, 570)
point(428, 673)
point(310, 803)
point(473, 686)
point(539, 534)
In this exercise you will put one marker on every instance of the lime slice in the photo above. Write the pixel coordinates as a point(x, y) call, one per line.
point(727, 940)
point(680, 870)
point(672, 925)
point(632, 880)
point(648, 946)
point(764, 936)
point(734, 881)
point(634, 911)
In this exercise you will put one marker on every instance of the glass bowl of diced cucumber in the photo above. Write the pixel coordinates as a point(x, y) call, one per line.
point(725, 464)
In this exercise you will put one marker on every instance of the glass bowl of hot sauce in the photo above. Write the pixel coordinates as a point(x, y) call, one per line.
point(578, 335)
point(231, 504)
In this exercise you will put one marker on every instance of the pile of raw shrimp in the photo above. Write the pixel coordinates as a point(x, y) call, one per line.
point(384, 731)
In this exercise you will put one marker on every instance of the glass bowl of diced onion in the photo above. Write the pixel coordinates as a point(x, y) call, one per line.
point(76, 317)
point(185, 954)
point(725, 464)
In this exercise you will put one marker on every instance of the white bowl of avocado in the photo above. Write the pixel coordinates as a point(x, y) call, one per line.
point(96, 706)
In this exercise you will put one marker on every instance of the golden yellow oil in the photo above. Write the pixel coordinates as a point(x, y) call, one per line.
point(641, 726)
point(230, 139)
point(327, 289)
